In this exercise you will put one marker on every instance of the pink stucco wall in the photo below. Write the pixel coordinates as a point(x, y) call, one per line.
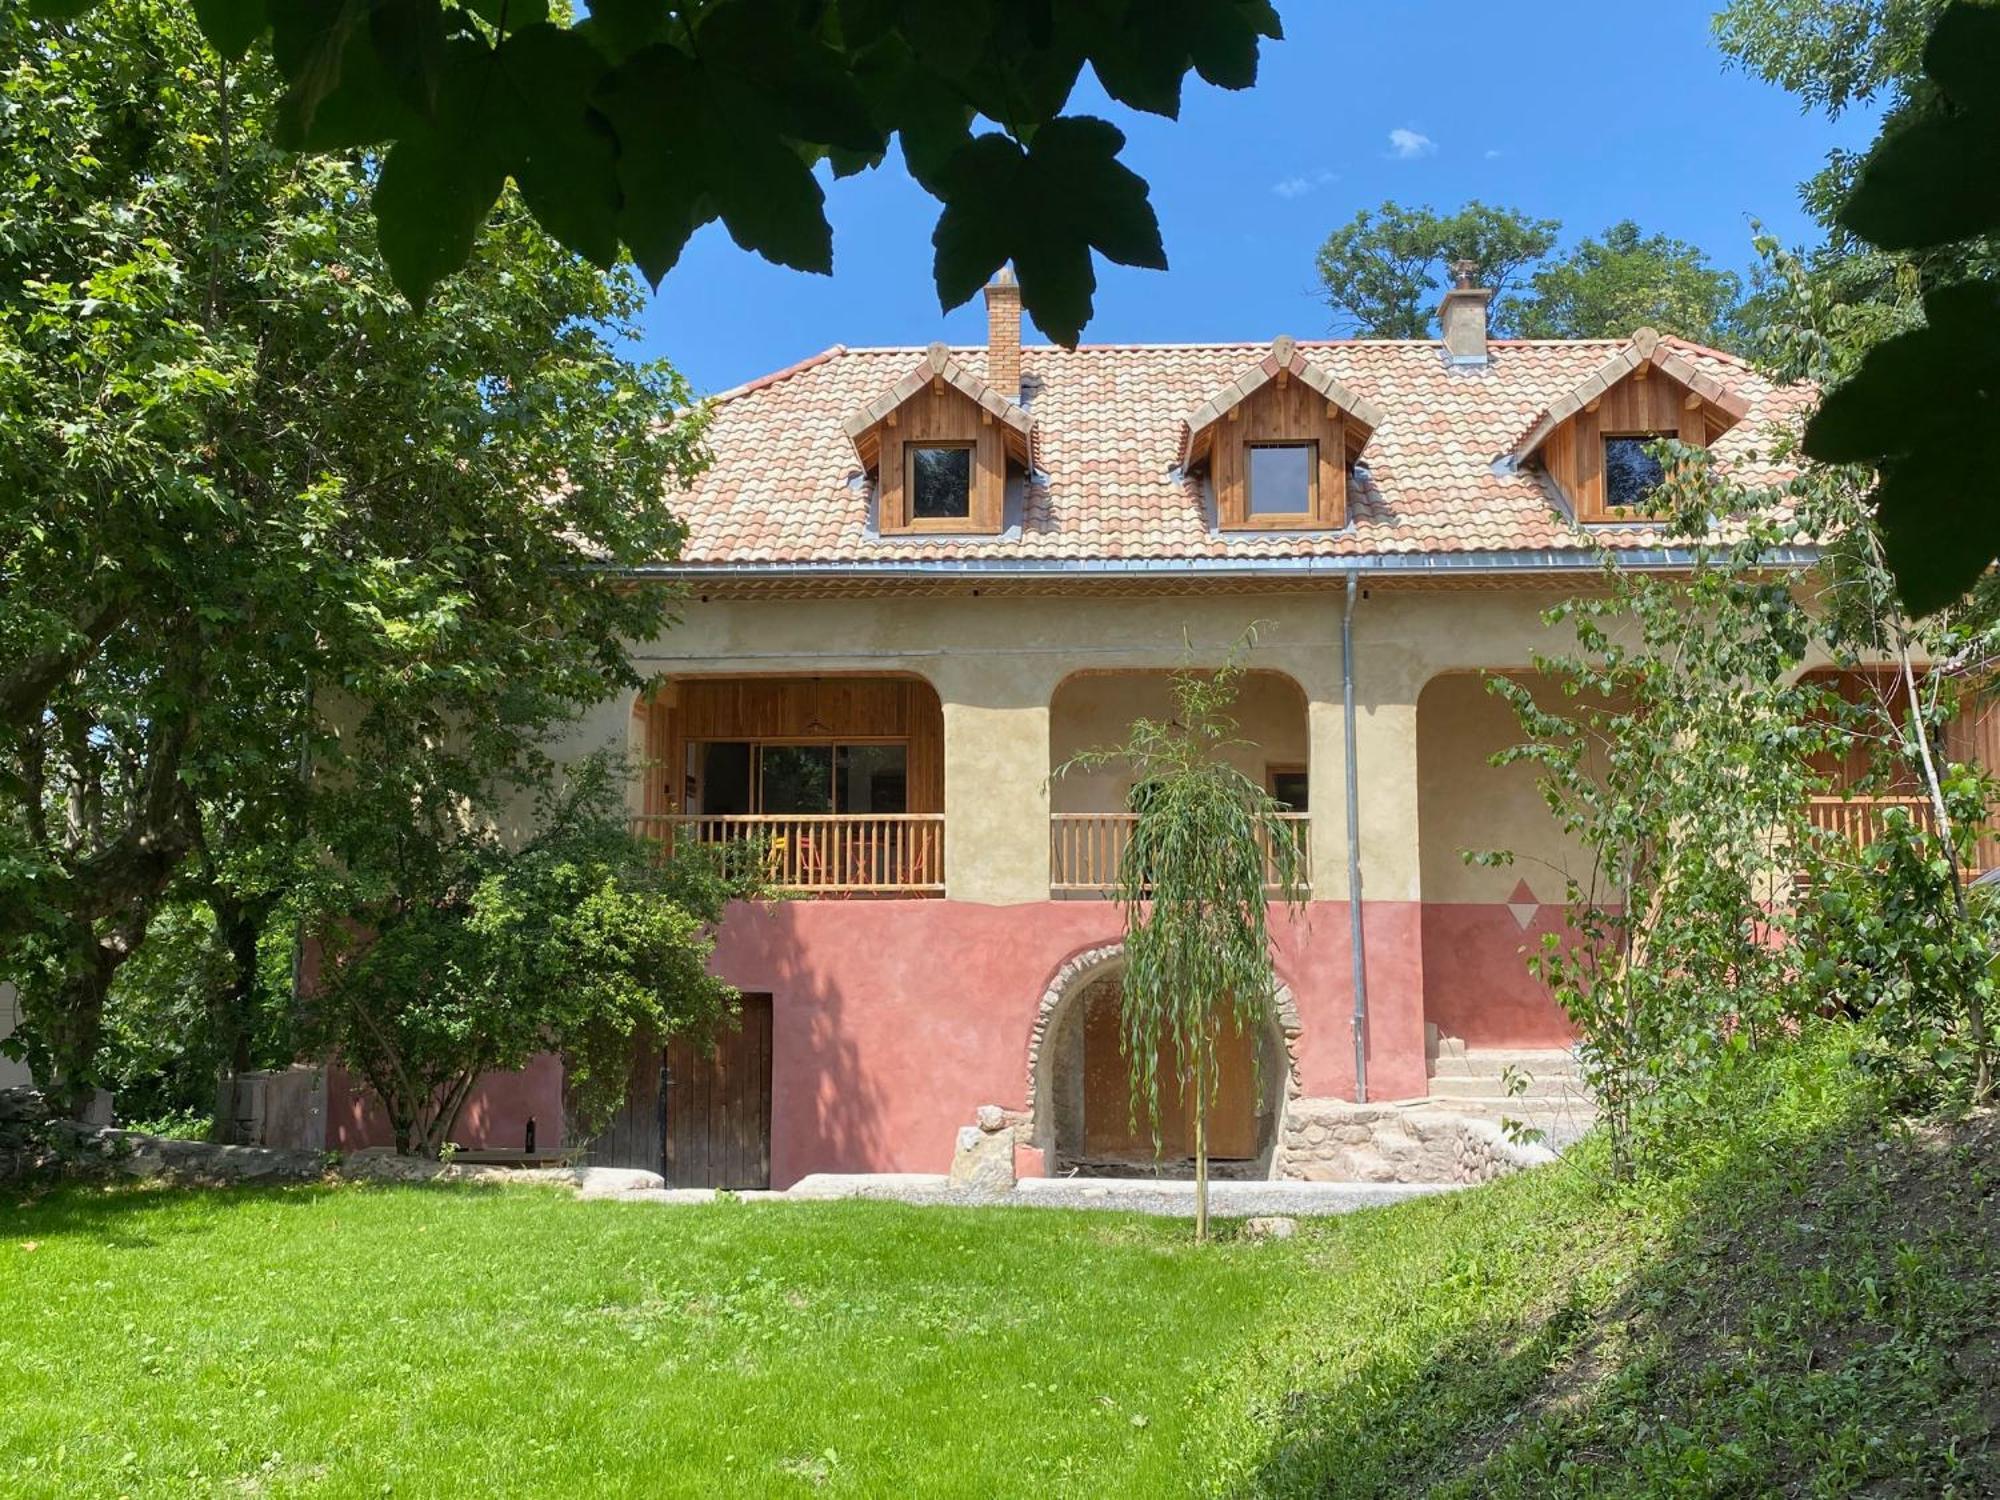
point(893, 1021)
point(1476, 981)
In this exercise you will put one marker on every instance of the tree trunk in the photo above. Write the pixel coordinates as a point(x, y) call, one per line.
point(1975, 1006)
point(1201, 1142)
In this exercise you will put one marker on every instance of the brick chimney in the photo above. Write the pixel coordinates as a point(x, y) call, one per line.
point(1003, 333)
point(1462, 317)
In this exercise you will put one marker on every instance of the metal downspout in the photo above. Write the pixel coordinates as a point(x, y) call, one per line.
point(1354, 927)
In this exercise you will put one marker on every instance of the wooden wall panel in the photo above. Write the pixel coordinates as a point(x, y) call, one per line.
point(817, 709)
point(1274, 413)
point(942, 414)
point(633, 1138)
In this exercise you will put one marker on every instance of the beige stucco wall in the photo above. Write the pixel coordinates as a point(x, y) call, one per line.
point(997, 662)
point(1095, 710)
point(1468, 803)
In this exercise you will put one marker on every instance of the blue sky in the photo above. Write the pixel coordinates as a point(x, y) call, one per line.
point(1587, 111)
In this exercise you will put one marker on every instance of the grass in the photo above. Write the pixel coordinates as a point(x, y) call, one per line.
point(1809, 1306)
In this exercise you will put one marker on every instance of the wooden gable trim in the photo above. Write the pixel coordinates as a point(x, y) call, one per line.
point(1722, 407)
point(1356, 415)
point(936, 374)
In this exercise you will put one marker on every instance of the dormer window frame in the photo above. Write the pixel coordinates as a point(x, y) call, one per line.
point(970, 521)
point(1306, 515)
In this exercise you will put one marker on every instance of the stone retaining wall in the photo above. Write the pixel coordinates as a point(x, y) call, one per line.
point(1331, 1140)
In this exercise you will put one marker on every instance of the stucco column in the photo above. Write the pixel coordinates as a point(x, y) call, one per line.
point(996, 772)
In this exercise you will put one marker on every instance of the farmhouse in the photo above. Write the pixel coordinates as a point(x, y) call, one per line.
point(920, 580)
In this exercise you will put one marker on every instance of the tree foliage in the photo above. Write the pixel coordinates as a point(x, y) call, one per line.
point(485, 953)
point(1383, 271)
point(1208, 850)
point(255, 516)
point(645, 121)
point(1912, 256)
point(1677, 757)
point(1625, 280)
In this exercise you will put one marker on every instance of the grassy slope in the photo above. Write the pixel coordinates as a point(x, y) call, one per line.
point(1812, 1307)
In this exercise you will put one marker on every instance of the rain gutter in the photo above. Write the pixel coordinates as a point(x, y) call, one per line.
point(1353, 776)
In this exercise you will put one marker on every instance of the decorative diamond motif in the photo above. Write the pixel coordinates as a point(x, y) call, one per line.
point(1523, 905)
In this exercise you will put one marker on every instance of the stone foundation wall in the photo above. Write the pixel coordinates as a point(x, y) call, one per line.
point(1331, 1140)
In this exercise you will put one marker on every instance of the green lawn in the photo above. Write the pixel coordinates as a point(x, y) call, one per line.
point(1809, 1307)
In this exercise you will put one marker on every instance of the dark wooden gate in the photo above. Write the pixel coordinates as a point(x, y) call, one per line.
point(718, 1106)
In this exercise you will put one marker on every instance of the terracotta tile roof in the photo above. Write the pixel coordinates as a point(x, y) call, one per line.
point(1109, 422)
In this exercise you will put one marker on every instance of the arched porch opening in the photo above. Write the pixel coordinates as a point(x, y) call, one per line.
point(1080, 1094)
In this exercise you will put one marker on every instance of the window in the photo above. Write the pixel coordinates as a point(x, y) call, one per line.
point(940, 482)
point(738, 777)
point(1631, 474)
point(1283, 478)
point(1288, 788)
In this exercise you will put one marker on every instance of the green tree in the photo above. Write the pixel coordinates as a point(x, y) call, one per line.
point(648, 120)
point(1208, 849)
point(1384, 270)
point(256, 516)
point(1677, 756)
point(486, 953)
point(1607, 287)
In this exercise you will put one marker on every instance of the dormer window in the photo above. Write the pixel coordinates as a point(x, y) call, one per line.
point(939, 481)
point(1277, 443)
point(1632, 472)
point(1592, 442)
point(1283, 480)
point(939, 444)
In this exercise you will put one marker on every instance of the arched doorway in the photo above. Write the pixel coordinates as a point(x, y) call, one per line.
point(1080, 1089)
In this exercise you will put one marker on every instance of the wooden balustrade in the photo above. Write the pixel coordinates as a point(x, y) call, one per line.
point(1859, 821)
point(1086, 849)
point(830, 854)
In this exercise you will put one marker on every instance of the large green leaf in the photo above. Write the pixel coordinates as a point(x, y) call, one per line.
point(661, 181)
point(1045, 209)
point(774, 52)
point(430, 202)
point(231, 25)
point(1924, 410)
point(537, 115)
point(1141, 52)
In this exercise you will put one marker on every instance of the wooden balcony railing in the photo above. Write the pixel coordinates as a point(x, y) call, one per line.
point(829, 854)
point(1859, 821)
point(1085, 850)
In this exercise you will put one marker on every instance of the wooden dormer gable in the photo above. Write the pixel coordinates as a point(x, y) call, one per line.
point(938, 408)
point(1645, 391)
point(1293, 414)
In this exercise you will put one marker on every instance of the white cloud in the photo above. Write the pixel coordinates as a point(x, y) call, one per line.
point(1494, 153)
point(1406, 144)
point(1299, 185)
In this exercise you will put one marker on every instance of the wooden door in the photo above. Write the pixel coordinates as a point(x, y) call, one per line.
point(718, 1106)
point(1110, 1131)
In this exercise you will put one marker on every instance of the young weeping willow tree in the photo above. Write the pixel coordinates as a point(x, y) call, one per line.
point(1210, 849)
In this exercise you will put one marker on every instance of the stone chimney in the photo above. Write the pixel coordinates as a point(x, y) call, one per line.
point(1003, 333)
point(1462, 317)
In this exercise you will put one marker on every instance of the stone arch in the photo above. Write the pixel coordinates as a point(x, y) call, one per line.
point(1058, 1017)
